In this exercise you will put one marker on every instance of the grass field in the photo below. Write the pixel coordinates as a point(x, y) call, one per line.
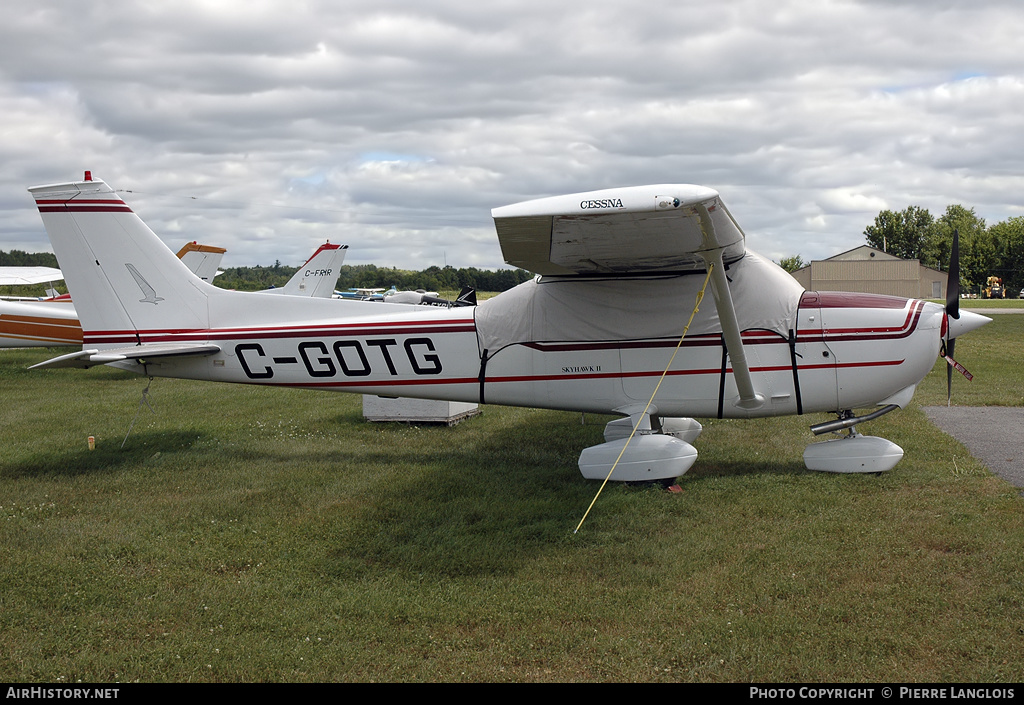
point(991, 303)
point(247, 534)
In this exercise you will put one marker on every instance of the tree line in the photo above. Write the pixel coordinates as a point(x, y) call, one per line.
point(370, 276)
point(18, 258)
point(914, 233)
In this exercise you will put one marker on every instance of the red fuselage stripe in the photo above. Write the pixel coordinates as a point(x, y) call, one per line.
point(519, 379)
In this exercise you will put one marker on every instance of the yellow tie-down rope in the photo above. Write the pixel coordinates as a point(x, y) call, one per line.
point(696, 307)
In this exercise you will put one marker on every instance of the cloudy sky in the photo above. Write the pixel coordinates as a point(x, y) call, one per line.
point(267, 127)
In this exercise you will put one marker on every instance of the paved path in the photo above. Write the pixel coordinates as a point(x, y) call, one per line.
point(993, 434)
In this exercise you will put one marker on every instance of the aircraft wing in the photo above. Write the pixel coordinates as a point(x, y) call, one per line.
point(17, 276)
point(634, 230)
point(139, 353)
point(629, 231)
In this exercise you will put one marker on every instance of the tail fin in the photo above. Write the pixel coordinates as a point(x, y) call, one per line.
point(120, 274)
point(203, 260)
point(467, 297)
point(319, 275)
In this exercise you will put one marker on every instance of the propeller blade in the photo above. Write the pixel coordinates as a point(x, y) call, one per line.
point(953, 279)
point(952, 308)
point(950, 344)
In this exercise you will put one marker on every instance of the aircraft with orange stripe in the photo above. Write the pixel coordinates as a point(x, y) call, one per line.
point(611, 325)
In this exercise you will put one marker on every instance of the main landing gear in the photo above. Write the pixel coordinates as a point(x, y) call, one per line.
point(658, 450)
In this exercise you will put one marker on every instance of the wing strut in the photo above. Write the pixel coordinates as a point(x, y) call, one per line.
point(749, 398)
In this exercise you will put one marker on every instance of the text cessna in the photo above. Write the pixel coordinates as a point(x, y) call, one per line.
point(602, 203)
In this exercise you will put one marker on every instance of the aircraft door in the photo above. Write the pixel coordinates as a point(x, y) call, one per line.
point(814, 362)
point(692, 384)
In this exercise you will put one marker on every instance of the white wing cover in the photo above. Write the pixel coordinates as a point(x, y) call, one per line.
point(578, 309)
point(639, 229)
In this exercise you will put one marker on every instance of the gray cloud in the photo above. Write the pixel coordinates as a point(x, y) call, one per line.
point(396, 126)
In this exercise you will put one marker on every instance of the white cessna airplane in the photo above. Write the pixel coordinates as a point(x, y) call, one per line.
point(620, 271)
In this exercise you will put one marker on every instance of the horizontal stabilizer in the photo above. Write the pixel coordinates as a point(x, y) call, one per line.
point(139, 353)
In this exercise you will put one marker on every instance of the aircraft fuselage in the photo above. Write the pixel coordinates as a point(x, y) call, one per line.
point(843, 351)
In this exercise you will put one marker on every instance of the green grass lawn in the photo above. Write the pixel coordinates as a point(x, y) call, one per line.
point(248, 534)
point(994, 354)
point(990, 303)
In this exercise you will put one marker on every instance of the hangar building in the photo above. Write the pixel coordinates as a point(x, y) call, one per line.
point(866, 269)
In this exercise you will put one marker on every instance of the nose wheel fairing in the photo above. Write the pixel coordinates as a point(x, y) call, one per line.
point(853, 454)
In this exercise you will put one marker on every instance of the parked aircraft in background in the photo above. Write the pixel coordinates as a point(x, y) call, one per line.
point(598, 330)
point(22, 276)
point(466, 297)
point(203, 260)
point(37, 324)
point(318, 276)
point(357, 293)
